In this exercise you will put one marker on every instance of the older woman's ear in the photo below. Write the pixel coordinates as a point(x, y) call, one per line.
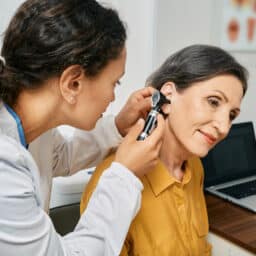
point(168, 89)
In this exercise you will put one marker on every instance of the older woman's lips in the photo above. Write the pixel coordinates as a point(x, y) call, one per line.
point(209, 138)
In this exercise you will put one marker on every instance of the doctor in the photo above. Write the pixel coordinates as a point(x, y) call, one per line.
point(60, 63)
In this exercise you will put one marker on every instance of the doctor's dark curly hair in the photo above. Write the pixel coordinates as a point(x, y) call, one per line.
point(46, 36)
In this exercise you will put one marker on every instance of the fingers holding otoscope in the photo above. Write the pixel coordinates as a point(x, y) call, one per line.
point(140, 148)
point(158, 100)
point(141, 156)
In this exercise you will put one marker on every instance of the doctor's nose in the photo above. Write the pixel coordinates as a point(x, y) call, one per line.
point(113, 97)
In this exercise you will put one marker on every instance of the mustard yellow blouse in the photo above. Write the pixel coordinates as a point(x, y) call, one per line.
point(173, 218)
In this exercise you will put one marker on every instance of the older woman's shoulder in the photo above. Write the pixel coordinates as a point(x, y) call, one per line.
point(196, 166)
point(195, 162)
point(90, 187)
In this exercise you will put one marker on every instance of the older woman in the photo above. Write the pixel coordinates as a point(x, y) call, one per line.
point(205, 86)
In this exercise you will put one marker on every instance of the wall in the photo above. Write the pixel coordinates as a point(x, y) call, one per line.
point(7, 9)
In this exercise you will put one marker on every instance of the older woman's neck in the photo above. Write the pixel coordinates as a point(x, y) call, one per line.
point(173, 155)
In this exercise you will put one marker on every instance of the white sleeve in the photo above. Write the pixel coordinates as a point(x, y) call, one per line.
point(27, 230)
point(85, 148)
point(112, 207)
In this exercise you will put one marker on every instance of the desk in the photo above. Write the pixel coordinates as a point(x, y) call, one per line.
point(231, 222)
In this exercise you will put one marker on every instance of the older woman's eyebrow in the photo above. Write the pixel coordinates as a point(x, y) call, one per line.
point(223, 95)
point(238, 110)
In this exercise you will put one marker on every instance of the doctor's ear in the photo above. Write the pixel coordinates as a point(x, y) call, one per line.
point(70, 83)
point(168, 89)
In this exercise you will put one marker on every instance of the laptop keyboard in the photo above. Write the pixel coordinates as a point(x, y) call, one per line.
point(240, 190)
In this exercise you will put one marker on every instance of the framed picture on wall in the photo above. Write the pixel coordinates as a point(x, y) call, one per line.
point(238, 26)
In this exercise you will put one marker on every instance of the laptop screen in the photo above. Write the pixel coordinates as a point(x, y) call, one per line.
point(233, 158)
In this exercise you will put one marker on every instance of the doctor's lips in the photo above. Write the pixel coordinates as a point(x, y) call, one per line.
point(209, 138)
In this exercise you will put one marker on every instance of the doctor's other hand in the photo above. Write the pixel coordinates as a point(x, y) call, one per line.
point(137, 106)
point(141, 156)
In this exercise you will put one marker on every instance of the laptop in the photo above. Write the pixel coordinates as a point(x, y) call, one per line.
point(230, 167)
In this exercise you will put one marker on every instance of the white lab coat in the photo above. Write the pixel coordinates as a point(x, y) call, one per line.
point(58, 156)
point(25, 227)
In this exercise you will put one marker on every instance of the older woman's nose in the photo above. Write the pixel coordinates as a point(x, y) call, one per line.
point(223, 124)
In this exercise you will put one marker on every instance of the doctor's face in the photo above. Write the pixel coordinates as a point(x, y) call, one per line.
point(201, 115)
point(99, 91)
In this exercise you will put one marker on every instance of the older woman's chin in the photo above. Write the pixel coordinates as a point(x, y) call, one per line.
point(200, 152)
point(203, 153)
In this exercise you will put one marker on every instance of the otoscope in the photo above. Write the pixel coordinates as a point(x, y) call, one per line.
point(158, 100)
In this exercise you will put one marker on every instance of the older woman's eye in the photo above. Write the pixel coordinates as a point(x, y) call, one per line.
point(213, 102)
point(232, 116)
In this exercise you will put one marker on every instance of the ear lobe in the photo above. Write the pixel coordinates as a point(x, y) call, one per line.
point(70, 83)
point(166, 108)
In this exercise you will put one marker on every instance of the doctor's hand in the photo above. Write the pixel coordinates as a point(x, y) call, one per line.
point(137, 106)
point(141, 156)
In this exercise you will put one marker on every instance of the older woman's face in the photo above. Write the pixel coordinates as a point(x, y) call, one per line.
point(201, 115)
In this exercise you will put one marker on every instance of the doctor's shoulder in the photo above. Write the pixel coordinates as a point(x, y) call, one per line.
point(19, 183)
point(14, 157)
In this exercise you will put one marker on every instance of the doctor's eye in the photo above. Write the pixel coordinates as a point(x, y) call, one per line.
point(118, 82)
point(213, 102)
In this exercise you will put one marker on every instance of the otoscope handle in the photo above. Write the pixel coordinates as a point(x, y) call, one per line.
point(150, 124)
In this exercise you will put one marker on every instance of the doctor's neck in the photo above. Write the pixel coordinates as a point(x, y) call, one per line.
point(39, 110)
